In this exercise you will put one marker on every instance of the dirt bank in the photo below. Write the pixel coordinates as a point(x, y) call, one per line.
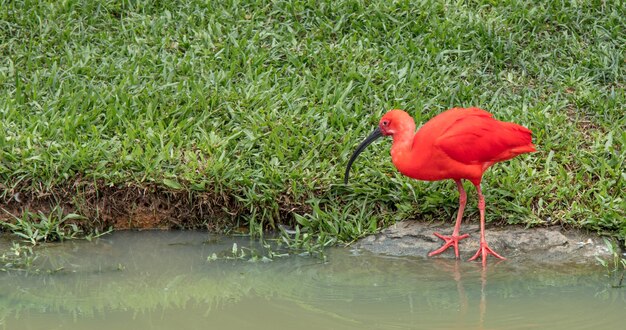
point(125, 206)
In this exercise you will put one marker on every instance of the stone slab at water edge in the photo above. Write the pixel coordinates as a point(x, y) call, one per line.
point(544, 245)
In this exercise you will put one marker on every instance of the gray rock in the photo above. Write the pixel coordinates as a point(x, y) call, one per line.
point(542, 245)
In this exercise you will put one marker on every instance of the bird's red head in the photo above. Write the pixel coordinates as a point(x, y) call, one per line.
point(393, 121)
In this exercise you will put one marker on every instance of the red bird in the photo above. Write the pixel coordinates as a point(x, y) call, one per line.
point(456, 144)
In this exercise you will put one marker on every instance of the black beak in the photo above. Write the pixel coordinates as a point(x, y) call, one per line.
point(371, 138)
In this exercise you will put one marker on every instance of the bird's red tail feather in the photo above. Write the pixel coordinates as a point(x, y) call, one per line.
point(519, 141)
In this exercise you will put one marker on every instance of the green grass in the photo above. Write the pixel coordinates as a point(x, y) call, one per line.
point(263, 103)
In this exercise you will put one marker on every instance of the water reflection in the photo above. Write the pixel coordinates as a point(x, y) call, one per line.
point(160, 280)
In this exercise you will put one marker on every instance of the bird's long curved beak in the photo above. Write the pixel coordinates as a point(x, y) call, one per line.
point(371, 138)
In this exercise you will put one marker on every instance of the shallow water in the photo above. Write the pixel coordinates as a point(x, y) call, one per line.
point(162, 280)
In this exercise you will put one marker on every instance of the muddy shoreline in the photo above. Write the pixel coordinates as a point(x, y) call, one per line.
point(133, 207)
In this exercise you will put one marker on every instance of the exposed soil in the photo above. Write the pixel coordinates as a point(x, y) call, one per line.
point(127, 206)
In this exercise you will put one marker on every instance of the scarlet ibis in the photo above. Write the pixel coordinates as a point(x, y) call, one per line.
point(457, 144)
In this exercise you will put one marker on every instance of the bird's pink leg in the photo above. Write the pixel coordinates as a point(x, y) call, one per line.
point(453, 240)
point(484, 249)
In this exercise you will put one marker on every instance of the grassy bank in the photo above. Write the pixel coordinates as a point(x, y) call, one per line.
point(251, 109)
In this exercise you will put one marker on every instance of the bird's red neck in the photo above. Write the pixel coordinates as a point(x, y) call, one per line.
point(402, 144)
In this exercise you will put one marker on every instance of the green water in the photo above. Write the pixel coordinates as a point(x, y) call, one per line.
point(162, 280)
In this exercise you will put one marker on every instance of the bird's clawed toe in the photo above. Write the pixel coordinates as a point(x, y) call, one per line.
point(452, 240)
point(483, 251)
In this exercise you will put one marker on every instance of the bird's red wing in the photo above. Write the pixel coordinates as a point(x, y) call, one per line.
point(482, 139)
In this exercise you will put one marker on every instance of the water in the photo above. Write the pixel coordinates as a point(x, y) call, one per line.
point(162, 280)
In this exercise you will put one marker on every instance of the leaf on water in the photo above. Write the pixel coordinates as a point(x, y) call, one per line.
point(234, 249)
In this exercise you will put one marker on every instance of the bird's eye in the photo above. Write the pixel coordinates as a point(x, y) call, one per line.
point(385, 122)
